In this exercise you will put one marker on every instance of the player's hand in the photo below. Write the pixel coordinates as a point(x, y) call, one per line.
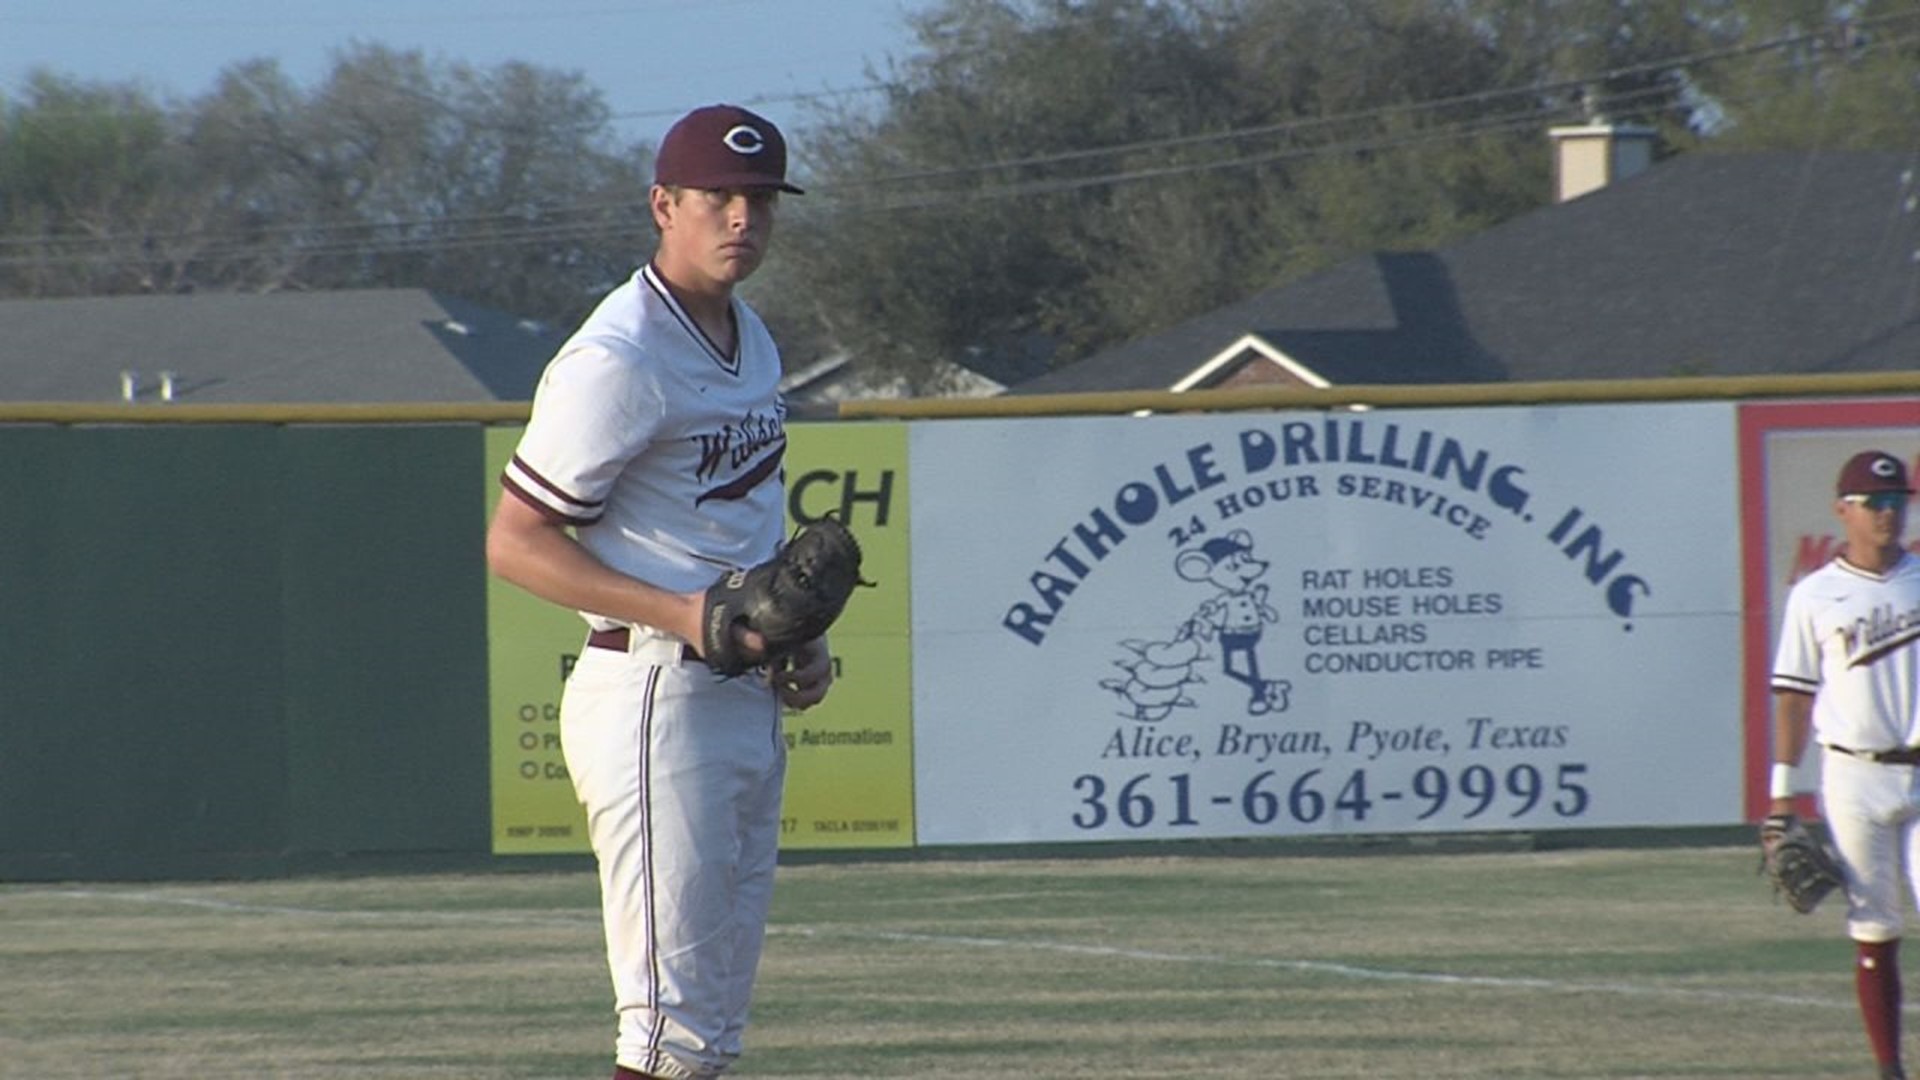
point(1773, 829)
point(802, 681)
point(751, 644)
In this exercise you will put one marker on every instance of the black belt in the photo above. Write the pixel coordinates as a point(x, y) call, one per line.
point(620, 637)
point(1906, 755)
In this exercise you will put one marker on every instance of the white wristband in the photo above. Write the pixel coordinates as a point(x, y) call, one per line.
point(1780, 781)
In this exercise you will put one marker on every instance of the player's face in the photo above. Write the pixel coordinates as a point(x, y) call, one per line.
point(720, 235)
point(1873, 520)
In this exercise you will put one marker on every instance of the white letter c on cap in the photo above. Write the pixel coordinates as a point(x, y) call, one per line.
point(743, 139)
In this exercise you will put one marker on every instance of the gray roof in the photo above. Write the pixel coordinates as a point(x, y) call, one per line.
point(1708, 264)
point(348, 346)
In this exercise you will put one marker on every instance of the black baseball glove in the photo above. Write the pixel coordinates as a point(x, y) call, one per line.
point(789, 600)
point(1797, 863)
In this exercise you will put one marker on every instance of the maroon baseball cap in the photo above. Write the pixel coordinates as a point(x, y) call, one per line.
point(723, 146)
point(1872, 471)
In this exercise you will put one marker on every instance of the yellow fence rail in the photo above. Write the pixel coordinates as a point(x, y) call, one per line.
point(1575, 391)
point(1400, 395)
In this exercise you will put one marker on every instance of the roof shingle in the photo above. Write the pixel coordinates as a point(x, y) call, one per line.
point(347, 346)
point(1709, 264)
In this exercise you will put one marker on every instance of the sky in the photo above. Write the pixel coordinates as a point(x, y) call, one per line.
point(652, 60)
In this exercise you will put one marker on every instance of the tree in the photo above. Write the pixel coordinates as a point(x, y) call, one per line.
point(498, 185)
point(1042, 178)
point(1819, 74)
point(1080, 173)
point(493, 185)
point(91, 170)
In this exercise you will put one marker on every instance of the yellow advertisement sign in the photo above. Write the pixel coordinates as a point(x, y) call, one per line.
point(850, 764)
point(531, 645)
point(850, 758)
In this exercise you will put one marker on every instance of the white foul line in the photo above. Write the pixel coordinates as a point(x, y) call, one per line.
point(238, 908)
point(1323, 967)
point(1314, 967)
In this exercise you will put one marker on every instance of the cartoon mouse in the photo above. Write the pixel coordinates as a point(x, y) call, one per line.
point(1158, 674)
point(1237, 614)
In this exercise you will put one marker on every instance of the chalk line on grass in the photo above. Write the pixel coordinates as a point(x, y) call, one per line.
point(965, 941)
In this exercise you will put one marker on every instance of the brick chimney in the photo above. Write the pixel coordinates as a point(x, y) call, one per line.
point(1588, 157)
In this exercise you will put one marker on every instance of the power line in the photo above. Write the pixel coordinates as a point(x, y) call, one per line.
point(1531, 116)
point(1295, 126)
point(560, 232)
point(599, 210)
point(1522, 120)
point(525, 227)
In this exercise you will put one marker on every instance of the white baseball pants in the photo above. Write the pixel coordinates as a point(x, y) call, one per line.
point(1873, 813)
point(680, 773)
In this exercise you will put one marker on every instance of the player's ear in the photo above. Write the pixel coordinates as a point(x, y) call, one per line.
point(660, 200)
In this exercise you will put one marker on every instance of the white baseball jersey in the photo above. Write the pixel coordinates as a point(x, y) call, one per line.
point(1849, 637)
point(662, 451)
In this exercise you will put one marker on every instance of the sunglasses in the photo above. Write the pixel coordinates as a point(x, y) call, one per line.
point(1879, 500)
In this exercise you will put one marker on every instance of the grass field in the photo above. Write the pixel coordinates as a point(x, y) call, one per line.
point(1665, 962)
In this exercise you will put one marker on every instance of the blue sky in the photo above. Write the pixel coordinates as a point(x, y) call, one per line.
point(651, 59)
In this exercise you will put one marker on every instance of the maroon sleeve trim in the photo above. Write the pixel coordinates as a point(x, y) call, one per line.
point(545, 509)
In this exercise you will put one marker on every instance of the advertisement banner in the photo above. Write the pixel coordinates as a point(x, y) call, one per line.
point(849, 777)
point(1790, 456)
point(531, 646)
point(850, 758)
point(1306, 623)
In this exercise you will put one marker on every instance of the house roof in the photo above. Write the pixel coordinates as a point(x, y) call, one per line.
point(348, 346)
point(815, 392)
point(1708, 264)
